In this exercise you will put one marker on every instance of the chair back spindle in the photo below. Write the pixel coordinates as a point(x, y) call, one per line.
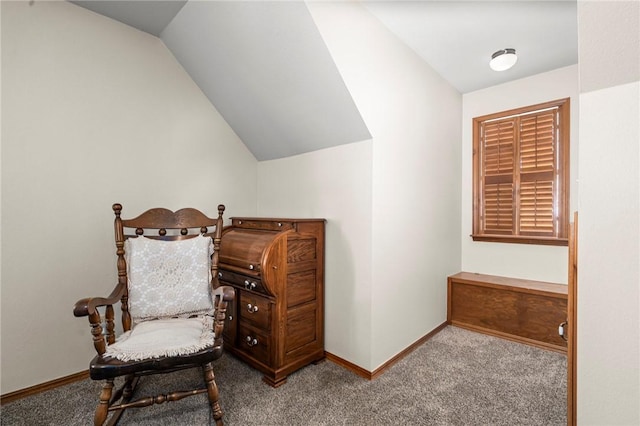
point(122, 267)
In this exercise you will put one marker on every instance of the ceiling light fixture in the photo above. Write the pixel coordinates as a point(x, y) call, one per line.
point(503, 59)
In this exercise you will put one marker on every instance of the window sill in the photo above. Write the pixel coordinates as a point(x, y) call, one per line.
point(547, 241)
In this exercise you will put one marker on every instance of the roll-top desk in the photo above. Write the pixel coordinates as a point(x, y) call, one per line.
point(276, 266)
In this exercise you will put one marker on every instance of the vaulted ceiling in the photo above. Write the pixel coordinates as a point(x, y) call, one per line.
point(267, 70)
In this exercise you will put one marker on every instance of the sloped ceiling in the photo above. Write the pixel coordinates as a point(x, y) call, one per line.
point(265, 67)
point(150, 16)
point(267, 70)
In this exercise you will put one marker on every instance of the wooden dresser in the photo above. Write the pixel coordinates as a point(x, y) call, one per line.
point(276, 266)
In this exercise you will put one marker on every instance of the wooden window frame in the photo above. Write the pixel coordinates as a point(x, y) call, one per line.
point(560, 169)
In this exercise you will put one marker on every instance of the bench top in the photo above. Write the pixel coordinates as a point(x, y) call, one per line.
point(515, 283)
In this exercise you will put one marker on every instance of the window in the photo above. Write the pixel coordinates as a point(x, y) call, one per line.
point(521, 175)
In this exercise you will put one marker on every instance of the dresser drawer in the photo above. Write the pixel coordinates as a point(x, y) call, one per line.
point(242, 281)
point(254, 309)
point(254, 343)
point(264, 224)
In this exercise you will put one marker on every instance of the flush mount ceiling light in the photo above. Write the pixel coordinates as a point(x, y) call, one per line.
point(503, 59)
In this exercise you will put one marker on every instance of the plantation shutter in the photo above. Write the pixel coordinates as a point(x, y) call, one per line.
point(521, 175)
point(498, 147)
point(537, 173)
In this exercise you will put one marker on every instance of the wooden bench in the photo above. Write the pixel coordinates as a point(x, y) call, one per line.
point(525, 311)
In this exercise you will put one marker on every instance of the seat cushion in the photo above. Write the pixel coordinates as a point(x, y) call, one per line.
point(163, 338)
point(168, 278)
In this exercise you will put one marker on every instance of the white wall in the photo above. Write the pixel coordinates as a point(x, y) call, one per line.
point(609, 257)
point(528, 261)
point(608, 341)
point(93, 112)
point(414, 118)
point(334, 184)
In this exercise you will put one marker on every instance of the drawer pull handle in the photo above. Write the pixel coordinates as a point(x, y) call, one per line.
point(250, 266)
point(219, 274)
point(249, 285)
point(230, 317)
point(251, 341)
point(279, 223)
point(252, 308)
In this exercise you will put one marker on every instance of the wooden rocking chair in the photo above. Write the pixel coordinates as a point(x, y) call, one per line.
point(173, 308)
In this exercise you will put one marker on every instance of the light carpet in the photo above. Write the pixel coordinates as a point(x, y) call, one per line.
point(458, 377)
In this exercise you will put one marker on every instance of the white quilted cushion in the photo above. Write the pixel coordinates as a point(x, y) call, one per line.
point(169, 278)
point(163, 337)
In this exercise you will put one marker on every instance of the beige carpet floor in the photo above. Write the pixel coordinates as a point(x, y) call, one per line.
point(456, 378)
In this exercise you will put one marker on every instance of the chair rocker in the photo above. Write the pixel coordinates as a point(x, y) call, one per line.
point(173, 308)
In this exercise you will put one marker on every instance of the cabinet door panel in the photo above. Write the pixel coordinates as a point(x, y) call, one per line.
point(301, 288)
point(301, 250)
point(301, 327)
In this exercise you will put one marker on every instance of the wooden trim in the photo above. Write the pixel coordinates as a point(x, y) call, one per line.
point(521, 239)
point(42, 387)
point(349, 366)
point(378, 371)
point(523, 110)
point(475, 223)
point(370, 375)
point(572, 324)
point(564, 189)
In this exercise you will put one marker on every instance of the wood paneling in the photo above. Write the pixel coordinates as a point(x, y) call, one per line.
point(522, 310)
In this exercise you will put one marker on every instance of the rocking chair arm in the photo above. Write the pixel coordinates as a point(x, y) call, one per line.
point(222, 296)
point(225, 292)
point(87, 307)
